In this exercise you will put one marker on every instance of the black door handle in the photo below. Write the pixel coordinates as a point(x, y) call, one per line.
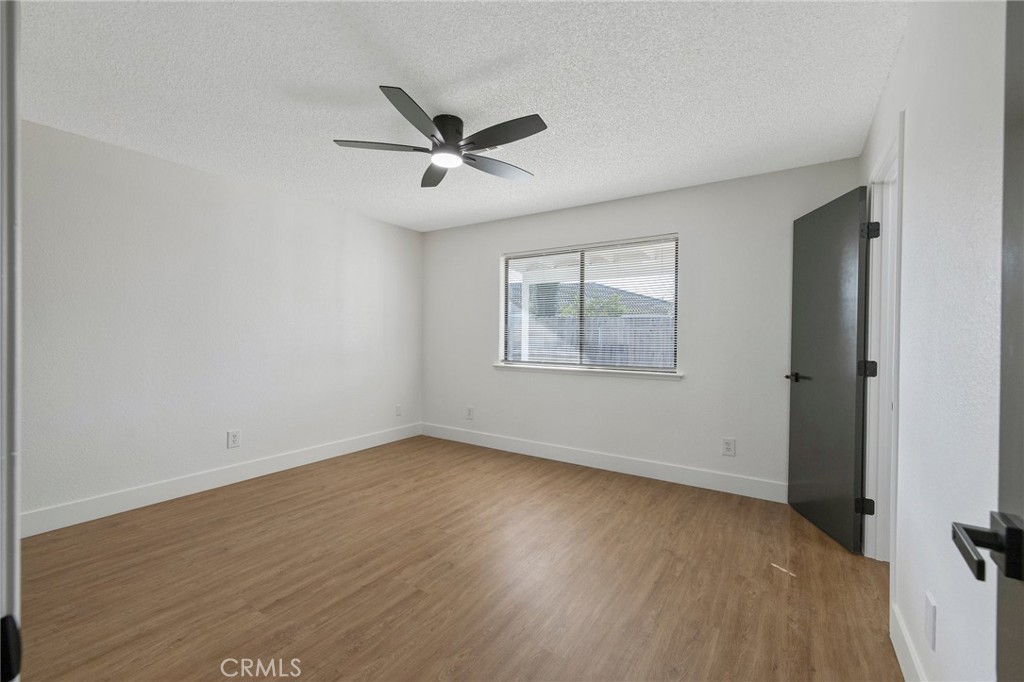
point(796, 377)
point(1005, 537)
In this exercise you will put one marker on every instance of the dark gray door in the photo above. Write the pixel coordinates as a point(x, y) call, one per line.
point(826, 418)
point(1010, 623)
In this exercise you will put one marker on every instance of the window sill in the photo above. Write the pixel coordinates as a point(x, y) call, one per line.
point(591, 371)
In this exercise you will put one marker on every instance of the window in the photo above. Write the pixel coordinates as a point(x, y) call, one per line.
point(604, 306)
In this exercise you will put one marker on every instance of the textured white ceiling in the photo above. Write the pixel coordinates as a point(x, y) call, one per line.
point(638, 97)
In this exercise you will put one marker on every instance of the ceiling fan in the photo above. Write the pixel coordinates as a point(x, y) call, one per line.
point(448, 149)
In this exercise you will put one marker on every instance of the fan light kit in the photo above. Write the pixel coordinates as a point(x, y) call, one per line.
point(448, 149)
point(446, 157)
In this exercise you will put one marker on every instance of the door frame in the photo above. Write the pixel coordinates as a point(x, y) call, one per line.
point(10, 277)
point(881, 443)
point(1010, 592)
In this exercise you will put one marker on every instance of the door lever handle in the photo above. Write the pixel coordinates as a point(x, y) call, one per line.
point(796, 377)
point(1005, 537)
point(967, 539)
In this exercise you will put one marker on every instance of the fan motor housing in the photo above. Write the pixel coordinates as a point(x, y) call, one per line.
point(450, 127)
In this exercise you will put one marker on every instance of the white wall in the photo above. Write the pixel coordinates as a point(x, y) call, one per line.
point(948, 77)
point(735, 261)
point(164, 306)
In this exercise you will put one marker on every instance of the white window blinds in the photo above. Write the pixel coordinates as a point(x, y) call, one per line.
point(611, 306)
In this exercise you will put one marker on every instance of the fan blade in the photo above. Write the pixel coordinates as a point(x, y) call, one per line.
point(433, 176)
point(495, 167)
point(413, 113)
point(504, 133)
point(383, 146)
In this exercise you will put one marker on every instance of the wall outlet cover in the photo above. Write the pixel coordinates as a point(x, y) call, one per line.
point(728, 447)
point(234, 439)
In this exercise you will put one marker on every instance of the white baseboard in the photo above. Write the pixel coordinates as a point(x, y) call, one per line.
point(68, 514)
point(58, 516)
point(764, 489)
point(909, 662)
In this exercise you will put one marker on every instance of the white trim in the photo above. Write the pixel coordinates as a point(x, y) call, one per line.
point(903, 644)
point(10, 313)
point(774, 491)
point(668, 236)
point(46, 519)
point(67, 514)
point(881, 414)
point(894, 463)
point(567, 369)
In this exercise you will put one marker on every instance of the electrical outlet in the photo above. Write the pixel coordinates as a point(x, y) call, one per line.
point(234, 439)
point(398, 410)
point(728, 447)
point(470, 413)
point(930, 612)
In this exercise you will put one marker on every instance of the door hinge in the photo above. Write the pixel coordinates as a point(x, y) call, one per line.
point(870, 230)
point(864, 505)
point(867, 368)
point(11, 646)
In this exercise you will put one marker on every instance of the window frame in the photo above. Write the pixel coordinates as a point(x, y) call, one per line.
point(560, 367)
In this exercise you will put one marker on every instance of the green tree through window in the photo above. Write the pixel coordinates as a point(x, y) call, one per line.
point(596, 306)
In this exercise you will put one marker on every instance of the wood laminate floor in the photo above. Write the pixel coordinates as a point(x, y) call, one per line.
point(427, 559)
